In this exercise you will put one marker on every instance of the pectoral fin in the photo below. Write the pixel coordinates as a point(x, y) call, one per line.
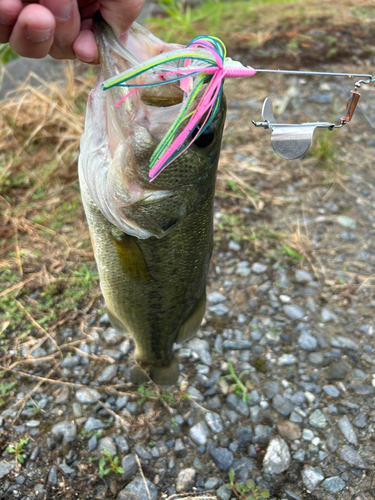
point(131, 258)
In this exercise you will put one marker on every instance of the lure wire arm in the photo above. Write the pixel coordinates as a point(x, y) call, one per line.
point(291, 141)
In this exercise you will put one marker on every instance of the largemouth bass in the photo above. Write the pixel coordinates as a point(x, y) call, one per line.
point(152, 241)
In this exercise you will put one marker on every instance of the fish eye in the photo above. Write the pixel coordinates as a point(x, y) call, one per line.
point(206, 137)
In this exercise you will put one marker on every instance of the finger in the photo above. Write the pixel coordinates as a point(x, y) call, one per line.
point(67, 28)
point(120, 14)
point(9, 11)
point(32, 35)
point(89, 10)
point(85, 46)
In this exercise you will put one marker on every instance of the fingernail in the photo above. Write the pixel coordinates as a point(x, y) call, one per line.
point(37, 36)
point(60, 9)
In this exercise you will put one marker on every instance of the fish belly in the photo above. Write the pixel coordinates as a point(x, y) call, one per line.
point(154, 289)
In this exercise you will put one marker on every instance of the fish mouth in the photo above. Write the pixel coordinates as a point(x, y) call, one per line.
point(141, 106)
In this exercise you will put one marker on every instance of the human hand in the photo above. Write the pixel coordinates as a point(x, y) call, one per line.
point(61, 28)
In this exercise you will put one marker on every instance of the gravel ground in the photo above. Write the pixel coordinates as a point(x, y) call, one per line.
point(290, 304)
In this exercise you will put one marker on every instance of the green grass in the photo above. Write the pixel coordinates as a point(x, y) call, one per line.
point(68, 291)
point(211, 17)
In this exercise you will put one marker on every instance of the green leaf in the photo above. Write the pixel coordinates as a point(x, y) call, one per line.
point(10, 449)
point(291, 252)
point(120, 470)
point(231, 475)
point(20, 458)
point(264, 494)
point(250, 484)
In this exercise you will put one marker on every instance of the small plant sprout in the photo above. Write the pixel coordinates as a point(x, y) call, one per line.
point(108, 464)
point(246, 491)
point(237, 386)
point(18, 450)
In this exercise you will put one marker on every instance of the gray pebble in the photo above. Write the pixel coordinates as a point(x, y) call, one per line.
point(92, 443)
point(244, 436)
point(236, 404)
point(223, 493)
point(214, 422)
point(287, 360)
point(303, 276)
point(261, 433)
point(327, 315)
point(143, 452)
point(211, 483)
point(202, 349)
point(294, 312)
point(216, 298)
point(122, 444)
point(332, 441)
point(195, 394)
point(66, 469)
point(307, 341)
point(222, 457)
point(108, 374)
point(360, 420)
point(282, 405)
point(333, 484)
point(219, 310)
point(349, 455)
point(111, 337)
point(368, 329)
point(67, 430)
point(308, 435)
point(299, 455)
point(121, 402)
point(277, 457)
point(362, 390)
point(125, 347)
point(70, 362)
point(243, 268)
point(236, 345)
point(232, 245)
point(180, 449)
point(199, 433)
point(295, 417)
point(52, 475)
point(298, 398)
point(317, 419)
point(104, 320)
point(359, 375)
point(271, 389)
point(331, 390)
point(337, 371)
point(87, 396)
point(6, 467)
point(138, 489)
point(258, 268)
point(343, 343)
point(33, 423)
point(132, 407)
point(130, 465)
point(92, 424)
point(107, 443)
point(311, 477)
point(185, 480)
point(347, 430)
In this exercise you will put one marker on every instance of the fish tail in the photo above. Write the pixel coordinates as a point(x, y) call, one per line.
point(160, 375)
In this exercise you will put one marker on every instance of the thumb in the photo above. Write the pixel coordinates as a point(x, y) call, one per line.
point(120, 14)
